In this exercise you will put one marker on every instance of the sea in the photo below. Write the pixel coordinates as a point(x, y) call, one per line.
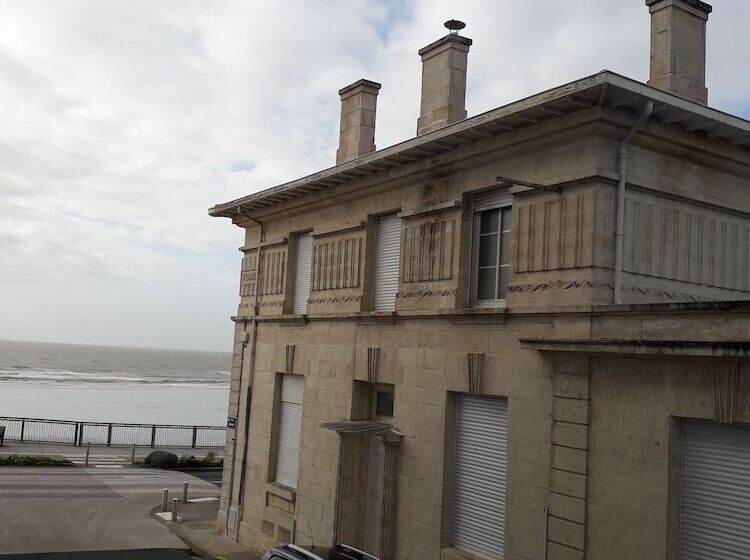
point(113, 384)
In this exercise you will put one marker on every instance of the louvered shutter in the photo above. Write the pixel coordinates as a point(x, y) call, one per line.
point(387, 252)
point(302, 272)
point(493, 198)
point(715, 511)
point(290, 429)
point(478, 523)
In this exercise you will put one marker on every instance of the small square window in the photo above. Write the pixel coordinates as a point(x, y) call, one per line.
point(384, 403)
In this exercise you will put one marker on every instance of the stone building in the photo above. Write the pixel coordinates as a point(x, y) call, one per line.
point(519, 335)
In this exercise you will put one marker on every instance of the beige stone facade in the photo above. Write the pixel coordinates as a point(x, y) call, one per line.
point(596, 393)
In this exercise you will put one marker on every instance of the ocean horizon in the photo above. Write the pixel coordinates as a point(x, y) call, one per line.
point(95, 383)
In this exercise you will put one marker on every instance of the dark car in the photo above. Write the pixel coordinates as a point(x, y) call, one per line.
point(338, 552)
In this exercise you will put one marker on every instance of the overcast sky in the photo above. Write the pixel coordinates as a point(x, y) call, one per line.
point(121, 122)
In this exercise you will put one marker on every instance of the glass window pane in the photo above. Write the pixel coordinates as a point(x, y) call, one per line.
point(488, 221)
point(507, 213)
point(502, 286)
point(384, 403)
point(505, 248)
point(488, 250)
point(486, 283)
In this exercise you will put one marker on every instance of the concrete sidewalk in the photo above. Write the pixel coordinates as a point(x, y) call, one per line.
point(197, 527)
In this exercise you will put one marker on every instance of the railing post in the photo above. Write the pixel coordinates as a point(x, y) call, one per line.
point(80, 435)
point(109, 435)
point(153, 435)
point(23, 427)
point(132, 456)
point(88, 448)
point(195, 435)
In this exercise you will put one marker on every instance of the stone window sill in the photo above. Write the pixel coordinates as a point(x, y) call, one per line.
point(281, 491)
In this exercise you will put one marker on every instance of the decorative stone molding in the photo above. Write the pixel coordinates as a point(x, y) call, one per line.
point(589, 285)
point(427, 251)
point(560, 285)
point(726, 394)
point(476, 372)
point(336, 263)
point(373, 362)
point(426, 294)
point(290, 348)
point(272, 272)
point(334, 299)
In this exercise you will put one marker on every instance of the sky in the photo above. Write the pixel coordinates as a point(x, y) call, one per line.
point(121, 123)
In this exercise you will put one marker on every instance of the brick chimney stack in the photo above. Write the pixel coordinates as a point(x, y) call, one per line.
point(678, 47)
point(443, 80)
point(357, 130)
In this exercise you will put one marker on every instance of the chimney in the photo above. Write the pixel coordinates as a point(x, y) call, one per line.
point(678, 47)
point(444, 80)
point(357, 131)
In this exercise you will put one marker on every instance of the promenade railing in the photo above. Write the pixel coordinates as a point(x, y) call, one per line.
point(111, 434)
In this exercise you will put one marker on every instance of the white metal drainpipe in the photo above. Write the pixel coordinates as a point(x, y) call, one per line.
point(250, 376)
point(620, 224)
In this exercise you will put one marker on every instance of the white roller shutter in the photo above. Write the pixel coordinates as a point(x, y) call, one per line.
point(478, 523)
point(715, 510)
point(290, 429)
point(302, 272)
point(387, 252)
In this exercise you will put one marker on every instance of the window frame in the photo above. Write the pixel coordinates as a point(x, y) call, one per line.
point(504, 201)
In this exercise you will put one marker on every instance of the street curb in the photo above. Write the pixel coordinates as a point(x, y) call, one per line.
point(173, 527)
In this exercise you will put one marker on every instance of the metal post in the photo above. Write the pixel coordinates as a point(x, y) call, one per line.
point(153, 435)
point(88, 448)
point(165, 499)
point(174, 510)
point(109, 435)
point(132, 456)
point(184, 492)
point(195, 435)
point(546, 531)
point(23, 427)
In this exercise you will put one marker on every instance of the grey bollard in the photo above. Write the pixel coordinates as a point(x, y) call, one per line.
point(88, 449)
point(165, 499)
point(184, 492)
point(132, 456)
point(174, 510)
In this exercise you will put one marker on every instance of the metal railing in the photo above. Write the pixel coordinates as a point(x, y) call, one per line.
point(111, 434)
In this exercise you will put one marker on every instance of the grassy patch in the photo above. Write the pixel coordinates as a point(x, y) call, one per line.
point(33, 461)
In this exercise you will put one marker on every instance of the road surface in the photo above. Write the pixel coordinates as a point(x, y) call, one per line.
point(46, 510)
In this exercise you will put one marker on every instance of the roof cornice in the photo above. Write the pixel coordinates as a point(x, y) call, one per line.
point(604, 88)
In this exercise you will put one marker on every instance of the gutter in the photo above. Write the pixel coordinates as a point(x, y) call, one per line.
point(250, 377)
point(620, 223)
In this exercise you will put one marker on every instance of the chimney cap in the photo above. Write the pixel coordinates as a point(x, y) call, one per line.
point(454, 25)
point(697, 4)
point(360, 83)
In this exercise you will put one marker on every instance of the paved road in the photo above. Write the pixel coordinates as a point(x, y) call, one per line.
point(94, 509)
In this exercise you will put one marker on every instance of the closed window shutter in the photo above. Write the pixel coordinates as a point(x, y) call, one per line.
point(478, 523)
point(715, 509)
point(290, 430)
point(387, 252)
point(303, 269)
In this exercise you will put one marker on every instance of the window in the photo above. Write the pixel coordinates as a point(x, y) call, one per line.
point(481, 444)
point(492, 231)
point(715, 491)
point(302, 272)
point(290, 428)
point(387, 256)
point(383, 397)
